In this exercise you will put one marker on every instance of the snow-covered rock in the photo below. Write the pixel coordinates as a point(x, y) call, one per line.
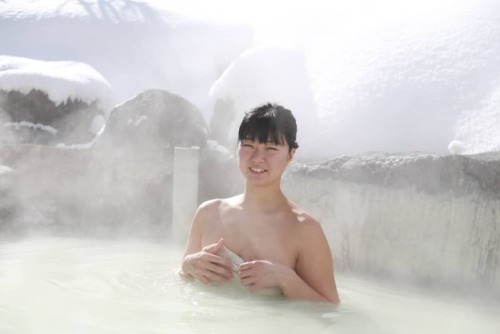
point(49, 102)
point(60, 80)
point(421, 218)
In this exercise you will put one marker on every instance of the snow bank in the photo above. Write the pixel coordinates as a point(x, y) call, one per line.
point(61, 80)
point(135, 45)
point(384, 76)
point(269, 74)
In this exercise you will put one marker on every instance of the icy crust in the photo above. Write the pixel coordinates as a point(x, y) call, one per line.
point(61, 80)
point(430, 173)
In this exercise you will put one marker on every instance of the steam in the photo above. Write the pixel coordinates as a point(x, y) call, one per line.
point(358, 78)
point(384, 77)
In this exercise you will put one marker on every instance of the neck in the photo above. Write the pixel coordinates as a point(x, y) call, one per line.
point(263, 198)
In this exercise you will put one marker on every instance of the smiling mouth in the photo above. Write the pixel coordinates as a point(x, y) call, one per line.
point(257, 170)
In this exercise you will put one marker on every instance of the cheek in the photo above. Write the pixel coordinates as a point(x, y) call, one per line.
point(242, 155)
point(242, 158)
point(279, 160)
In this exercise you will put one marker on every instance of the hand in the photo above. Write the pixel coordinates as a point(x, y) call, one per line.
point(261, 274)
point(207, 267)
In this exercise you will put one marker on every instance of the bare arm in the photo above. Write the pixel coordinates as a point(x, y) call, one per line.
point(312, 278)
point(200, 262)
point(314, 267)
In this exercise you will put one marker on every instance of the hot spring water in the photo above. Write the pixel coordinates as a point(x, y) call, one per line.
point(63, 285)
point(84, 285)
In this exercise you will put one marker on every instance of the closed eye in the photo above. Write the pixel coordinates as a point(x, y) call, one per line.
point(247, 144)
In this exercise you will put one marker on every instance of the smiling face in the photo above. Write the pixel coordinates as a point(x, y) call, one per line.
point(263, 163)
point(266, 143)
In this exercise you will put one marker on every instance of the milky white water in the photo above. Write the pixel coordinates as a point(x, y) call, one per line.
point(62, 285)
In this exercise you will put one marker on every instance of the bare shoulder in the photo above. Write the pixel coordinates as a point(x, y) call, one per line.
point(308, 229)
point(306, 221)
point(216, 206)
point(208, 220)
point(209, 205)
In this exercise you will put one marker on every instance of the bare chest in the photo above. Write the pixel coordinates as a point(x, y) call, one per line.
point(257, 237)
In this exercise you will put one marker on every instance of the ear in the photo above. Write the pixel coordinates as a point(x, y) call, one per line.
point(291, 154)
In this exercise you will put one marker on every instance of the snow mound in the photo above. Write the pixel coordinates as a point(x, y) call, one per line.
point(61, 80)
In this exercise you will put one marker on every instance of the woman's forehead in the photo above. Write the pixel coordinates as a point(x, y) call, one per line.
point(270, 139)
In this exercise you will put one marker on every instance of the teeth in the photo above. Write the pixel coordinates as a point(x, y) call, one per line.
point(257, 170)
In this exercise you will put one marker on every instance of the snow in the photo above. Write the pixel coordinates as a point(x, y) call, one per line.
point(134, 45)
point(263, 74)
point(98, 124)
point(360, 76)
point(25, 124)
point(456, 147)
point(61, 80)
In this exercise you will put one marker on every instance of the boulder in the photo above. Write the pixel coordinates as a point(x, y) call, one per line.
point(152, 124)
point(136, 151)
point(123, 183)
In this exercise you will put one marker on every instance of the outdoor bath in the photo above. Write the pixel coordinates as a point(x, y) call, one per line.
point(398, 110)
point(391, 277)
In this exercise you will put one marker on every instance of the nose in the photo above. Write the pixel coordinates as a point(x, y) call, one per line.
point(258, 154)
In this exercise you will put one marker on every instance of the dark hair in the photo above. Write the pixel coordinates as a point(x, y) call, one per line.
point(269, 122)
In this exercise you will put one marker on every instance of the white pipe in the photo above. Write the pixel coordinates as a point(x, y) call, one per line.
point(185, 190)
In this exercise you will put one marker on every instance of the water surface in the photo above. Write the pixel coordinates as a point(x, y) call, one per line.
point(63, 285)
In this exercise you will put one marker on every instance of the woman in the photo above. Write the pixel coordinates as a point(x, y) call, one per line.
point(275, 243)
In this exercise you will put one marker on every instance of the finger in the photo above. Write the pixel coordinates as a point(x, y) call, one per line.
point(248, 281)
point(219, 245)
point(203, 280)
point(247, 265)
point(246, 276)
point(219, 270)
point(246, 273)
point(215, 264)
point(220, 261)
point(209, 278)
point(216, 278)
point(214, 248)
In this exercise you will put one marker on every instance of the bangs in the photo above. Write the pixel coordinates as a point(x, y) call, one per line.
point(269, 123)
point(263, 130)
